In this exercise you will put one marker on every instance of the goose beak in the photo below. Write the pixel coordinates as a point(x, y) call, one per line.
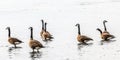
point(45, 22)
point(7, 28)
point(76, 24)
point(105, 21)
point(97, 28)
point(29, 27)
point(41, 19)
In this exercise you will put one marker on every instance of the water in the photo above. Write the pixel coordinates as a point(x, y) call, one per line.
point(61, 16)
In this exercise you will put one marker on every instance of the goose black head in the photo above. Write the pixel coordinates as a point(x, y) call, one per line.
point(7, 28)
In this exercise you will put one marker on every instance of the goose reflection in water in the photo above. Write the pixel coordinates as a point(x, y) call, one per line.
point(13, 51)
point(35, 55)
point(81, 45)
point(102, 42)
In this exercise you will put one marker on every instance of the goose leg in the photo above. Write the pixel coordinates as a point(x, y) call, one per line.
point(33, 50)
point(45, 39)
point(84, 42)
point(15, 45)
point(106, 39)
point(38, 50)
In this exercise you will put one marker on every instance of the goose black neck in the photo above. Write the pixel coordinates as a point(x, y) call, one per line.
point(99, 30)
point(104, 26)
point(42, 24)
point(45, 27)
point(31, 35)
point(9, 32)
point(79, 29)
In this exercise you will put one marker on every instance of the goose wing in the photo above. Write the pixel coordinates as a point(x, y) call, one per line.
point(15, 41)
point(107, 36)
point(111, 36)
point(83, 37)
point(35, 43)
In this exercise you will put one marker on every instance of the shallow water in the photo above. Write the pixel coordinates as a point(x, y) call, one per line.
point(61, 17)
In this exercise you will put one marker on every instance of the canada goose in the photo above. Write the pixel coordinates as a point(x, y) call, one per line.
point(82, 38)
point(34, 44)
point(46, 35)
point(105, 35)
point(11, 40)
point(43, 30)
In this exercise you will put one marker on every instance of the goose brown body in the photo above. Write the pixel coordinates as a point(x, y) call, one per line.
point(14, 41)
point(82, 38)
point(11, 40)
point(34, 44)
point(105, 35)
point(45, 34)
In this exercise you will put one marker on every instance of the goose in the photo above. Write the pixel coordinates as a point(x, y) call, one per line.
point(43, 30)
point(34, 44)
point(105, 35)
point(82, 38)
point(46, 35)
point(11, 40)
